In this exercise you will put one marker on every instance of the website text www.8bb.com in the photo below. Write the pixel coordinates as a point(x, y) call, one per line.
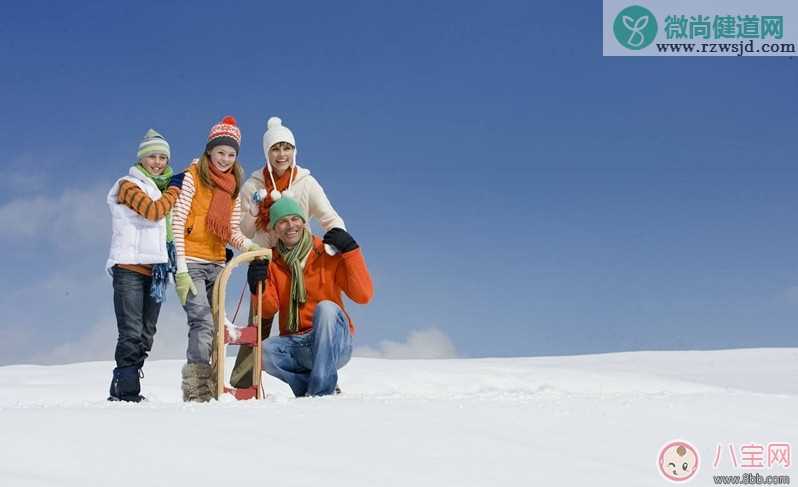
point(751, 479)
point(740, 48)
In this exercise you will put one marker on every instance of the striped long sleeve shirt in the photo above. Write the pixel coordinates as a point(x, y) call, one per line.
point(137, 200)
point(180, 215)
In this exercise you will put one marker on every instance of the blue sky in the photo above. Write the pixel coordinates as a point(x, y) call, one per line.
point(512, 189)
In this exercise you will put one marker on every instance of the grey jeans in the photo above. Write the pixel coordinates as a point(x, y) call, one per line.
point(198, 312)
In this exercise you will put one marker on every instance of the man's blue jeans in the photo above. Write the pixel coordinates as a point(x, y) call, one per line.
point(309, 363)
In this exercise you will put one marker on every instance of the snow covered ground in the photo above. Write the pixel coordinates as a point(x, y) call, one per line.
point(582, 420)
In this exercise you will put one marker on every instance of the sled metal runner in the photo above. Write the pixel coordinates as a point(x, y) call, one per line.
point(248, 336)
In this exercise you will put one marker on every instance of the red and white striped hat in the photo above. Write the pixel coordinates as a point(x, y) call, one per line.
point(225, 132)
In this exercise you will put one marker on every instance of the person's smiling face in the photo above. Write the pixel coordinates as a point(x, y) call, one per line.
point(154, 163)
point(289, 229)
point(222, 157)
point(281, 155)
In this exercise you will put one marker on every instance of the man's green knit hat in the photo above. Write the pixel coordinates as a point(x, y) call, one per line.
point(284, 207)
point(153, 143)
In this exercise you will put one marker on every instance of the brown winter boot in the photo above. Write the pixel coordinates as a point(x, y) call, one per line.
point(196, 383)
point(211, 383)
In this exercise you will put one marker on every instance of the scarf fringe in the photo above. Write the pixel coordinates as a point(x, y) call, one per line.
point(219, 228)
point(161, 272)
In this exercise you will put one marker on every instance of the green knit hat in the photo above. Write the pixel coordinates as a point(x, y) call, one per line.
point(284, 207)
point(153, 143)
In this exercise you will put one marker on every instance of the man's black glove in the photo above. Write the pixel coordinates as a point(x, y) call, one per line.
point(228, 254)
point(340, 239)
point(258, 272)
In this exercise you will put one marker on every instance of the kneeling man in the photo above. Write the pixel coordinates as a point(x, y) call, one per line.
point(304, 284)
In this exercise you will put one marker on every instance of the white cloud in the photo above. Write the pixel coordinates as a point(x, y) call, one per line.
point(100, 341)
point(57, 304)
point(67, 287)
point(68, 221)
point(430, 343)
point(68, 316)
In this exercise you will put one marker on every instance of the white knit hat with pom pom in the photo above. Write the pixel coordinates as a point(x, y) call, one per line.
point(276, 132)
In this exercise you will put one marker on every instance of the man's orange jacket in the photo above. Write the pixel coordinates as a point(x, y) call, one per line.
point(325, 278)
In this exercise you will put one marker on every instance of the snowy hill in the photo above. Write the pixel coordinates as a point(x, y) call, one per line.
point(582, 420)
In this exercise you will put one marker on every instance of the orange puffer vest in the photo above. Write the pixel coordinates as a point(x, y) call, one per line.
point(199, 241)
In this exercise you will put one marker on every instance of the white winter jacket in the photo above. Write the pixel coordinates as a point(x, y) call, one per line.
point(308, 193)
point(135, 240)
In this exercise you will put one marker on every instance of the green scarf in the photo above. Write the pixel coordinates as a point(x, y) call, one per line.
point(293, 258)
point(161, 271)
point(162, 182)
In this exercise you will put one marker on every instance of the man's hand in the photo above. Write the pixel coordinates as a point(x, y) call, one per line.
point(340, 239)
point(258, 272)
point(184, 284)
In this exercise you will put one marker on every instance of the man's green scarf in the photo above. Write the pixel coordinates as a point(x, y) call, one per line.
point(293, 257)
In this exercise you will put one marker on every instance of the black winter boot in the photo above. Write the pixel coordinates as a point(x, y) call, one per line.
point(125, 385)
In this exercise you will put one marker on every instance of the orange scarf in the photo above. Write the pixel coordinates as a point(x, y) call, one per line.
point(262, 222)
point(221, 209)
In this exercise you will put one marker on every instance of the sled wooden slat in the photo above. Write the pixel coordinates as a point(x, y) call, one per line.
point(256, 371)
point(218, 311)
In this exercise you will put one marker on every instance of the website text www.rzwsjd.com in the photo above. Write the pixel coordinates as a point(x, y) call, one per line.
point(751, 479)
point(739, 48)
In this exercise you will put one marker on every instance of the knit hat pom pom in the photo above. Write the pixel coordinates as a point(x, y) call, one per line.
point(276, 195)
point(229, 120)
point(274, 122)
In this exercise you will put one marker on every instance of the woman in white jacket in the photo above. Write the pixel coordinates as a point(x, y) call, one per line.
point(280, 176)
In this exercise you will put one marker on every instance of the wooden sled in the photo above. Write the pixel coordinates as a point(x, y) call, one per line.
point(249, 336)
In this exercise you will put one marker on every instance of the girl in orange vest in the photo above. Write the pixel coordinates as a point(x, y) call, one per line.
point(206, 218)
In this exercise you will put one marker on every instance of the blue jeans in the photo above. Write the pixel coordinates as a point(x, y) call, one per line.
point(309, 362)
point(136, 317)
